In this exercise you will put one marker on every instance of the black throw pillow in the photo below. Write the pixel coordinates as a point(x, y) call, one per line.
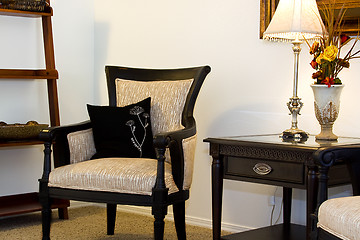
point(122, 131)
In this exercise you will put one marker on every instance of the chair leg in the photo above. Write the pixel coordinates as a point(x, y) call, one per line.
point(111, 216)
point(46, 218)
point(179, 218)
point(159, 212)
point(159, 226)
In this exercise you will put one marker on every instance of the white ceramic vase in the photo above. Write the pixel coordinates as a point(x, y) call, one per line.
point(326, 106)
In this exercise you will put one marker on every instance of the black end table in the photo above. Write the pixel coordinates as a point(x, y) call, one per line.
point(268, 159)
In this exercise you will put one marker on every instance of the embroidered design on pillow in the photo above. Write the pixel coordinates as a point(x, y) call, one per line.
point(122, 131)
point(144, 123)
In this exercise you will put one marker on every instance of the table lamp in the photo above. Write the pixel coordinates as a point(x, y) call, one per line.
point(294, 21)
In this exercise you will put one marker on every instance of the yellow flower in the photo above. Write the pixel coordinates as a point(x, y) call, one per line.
point(318, 59)
point(330, 53)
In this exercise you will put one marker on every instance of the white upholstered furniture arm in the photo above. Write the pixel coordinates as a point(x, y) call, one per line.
point(81, 145)
point(341, 217)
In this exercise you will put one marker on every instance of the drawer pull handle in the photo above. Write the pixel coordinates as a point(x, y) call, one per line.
point(262, 168)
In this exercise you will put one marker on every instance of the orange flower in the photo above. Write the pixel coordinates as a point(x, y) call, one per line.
point(317, 75)
point(328, 81)
point(314, 47)
point(344, 38)
point(314, 64)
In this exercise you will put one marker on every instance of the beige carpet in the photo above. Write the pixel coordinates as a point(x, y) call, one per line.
point(90, 223)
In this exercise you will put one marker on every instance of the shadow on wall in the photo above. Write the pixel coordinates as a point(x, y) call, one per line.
point(101, 41)
point(242, 120)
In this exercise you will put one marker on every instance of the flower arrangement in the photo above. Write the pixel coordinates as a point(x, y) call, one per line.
point(327, 61)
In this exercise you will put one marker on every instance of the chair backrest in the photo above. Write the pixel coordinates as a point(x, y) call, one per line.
point(354, 170)
point(173, 94)
point(196, 75)
point(327, 157)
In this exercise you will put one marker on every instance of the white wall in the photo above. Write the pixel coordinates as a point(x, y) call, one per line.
point(23, 100)
point(246, 92)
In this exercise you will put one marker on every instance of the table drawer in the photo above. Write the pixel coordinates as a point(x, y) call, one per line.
point(264, 169)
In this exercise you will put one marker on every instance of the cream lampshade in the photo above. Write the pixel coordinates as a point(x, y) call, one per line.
point(295, 21)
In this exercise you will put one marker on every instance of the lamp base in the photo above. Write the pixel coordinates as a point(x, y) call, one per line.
point(294, 135)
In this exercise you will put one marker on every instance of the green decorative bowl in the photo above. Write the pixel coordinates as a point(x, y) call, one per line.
point(30, 130)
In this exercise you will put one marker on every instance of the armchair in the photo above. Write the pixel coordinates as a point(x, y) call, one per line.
point(156, 182)
point(338, 218)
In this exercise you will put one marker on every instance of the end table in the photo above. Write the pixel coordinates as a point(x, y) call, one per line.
point(267, 159)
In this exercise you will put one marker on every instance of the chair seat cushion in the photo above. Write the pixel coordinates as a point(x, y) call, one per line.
point(341, 217)
point(123, 175)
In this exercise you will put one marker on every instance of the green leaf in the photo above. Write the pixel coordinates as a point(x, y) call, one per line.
point(337, 81)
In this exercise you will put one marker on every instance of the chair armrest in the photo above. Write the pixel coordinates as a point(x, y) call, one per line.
point(173, 141)
point(326, 157)
point(51, 133)
point(165, 138)
point(58, 137)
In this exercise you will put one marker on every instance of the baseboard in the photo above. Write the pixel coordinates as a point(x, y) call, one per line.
point(201, 222)
point(76, 204)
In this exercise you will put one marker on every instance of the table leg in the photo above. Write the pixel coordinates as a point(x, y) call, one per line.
point(311, 199)
point(63, 213)
point(217, 191)
point(287, 196)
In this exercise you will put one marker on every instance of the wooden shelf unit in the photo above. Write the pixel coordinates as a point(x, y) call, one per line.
point(28, 202)
point(28, 74)
point(15, 143)
point(19, 13)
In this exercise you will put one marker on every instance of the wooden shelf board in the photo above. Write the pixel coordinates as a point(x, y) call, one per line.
point(25, 203)
point(295, 232)
point(29, 74)
point(19, 13)
point(24, 142)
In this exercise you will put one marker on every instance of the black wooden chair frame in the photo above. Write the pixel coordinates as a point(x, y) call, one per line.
point(56, 140)
point(325, 158)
